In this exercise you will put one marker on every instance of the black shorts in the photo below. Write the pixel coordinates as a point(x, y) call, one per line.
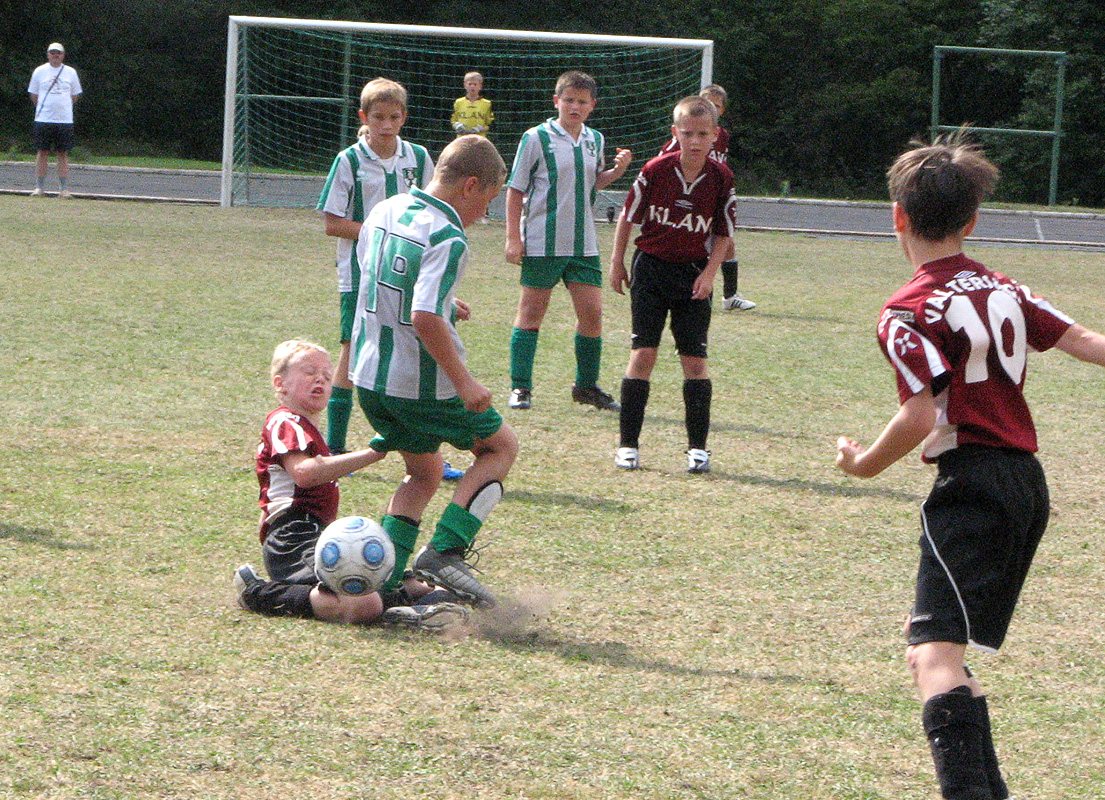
point(982, 522)
point(289, 548)
point(55, 137)
point(658, 287)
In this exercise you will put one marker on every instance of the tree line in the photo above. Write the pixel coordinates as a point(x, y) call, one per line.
point(823, 93)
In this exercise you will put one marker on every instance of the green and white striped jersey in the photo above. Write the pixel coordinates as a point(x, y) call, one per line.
point(414, 251)
point(557, 174)
point(358, 180)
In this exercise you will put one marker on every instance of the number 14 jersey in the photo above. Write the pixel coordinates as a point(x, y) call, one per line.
point(966, 331)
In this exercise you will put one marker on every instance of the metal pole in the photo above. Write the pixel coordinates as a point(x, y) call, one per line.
point(937, 58)
point(1060, 80)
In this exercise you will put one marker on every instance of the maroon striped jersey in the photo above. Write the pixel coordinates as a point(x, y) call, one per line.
point(678, 218)
point(966, 332)
point(287, 432)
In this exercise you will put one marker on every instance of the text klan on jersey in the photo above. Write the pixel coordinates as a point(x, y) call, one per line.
point(694, 223)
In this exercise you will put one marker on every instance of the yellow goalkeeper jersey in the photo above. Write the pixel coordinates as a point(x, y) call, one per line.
point(469, 117)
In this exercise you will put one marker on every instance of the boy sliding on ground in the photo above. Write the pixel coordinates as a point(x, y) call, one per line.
point(559, 166)
point(958, 336)
point(682, 201)
point(409, 365)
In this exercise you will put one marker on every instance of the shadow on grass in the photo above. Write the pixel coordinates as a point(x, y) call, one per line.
point(573, 500)
point(40, 536)
point(818, 487)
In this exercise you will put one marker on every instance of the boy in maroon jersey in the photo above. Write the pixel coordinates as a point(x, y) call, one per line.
point(958, 335)
point(298, 480)
point(681, 201)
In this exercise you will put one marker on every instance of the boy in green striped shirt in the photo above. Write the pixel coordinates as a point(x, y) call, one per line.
point(559, 166)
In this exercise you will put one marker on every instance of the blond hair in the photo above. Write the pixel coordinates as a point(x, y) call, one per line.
point(695, 106)
point(381, 90)
point(715, 90)
point(473, 76)
point(941, 185)
point(470, 156)
point(286, 352)
point(574, 79)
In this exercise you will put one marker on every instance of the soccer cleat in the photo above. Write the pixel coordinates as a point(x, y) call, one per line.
point(245, 578)
point(626, 458)
point(595, 397)
point(37, 192)
point(65, 194)
point(737, 303)
point(698, 461)
point(520, 398)
point(434, 618)
point(449, 571)
point(451, 473)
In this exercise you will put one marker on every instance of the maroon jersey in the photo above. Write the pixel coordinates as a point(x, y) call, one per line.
point(719, 152)
point(678, 218)
point(966, 332)
point(287, 432)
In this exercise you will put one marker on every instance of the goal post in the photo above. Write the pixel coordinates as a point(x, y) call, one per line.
point(293, 88)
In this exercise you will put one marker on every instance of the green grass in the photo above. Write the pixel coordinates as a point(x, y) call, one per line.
point(734, 635)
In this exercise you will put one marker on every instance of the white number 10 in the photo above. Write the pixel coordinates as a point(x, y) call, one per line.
point(1012, 352)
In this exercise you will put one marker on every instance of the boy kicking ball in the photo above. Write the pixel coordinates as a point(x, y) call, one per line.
point(958, 336)
point(682, 201)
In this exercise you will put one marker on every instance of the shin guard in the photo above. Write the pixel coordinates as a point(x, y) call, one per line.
point(954, 731)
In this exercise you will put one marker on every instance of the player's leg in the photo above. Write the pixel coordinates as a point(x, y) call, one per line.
point(730, 275)
point(587, 303)
point(532, 305)
point(340, 407)
point(635, 390)
point(690, 327)
point(404, 511)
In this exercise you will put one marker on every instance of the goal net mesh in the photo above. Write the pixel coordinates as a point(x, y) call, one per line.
point(297, 93)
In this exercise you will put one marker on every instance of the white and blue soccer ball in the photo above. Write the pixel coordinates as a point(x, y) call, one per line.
point(354, 556)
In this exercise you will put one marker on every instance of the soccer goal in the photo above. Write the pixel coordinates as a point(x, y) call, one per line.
point(293, 88)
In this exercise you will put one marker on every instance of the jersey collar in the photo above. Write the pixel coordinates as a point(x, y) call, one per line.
point(440, 205)
point(400, 146)
point(584, 133)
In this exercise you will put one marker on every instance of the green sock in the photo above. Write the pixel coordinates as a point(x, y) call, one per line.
point(523, 351)
point(337, 418)
point(403, 534)
point(588, 359)
point(457, 528)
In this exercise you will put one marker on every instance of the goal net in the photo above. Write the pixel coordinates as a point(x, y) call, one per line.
point(293, 89)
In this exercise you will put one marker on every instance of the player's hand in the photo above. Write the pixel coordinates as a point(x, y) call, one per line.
point(619, 278)
point(514, 251)
point(703, 287)
point(475, 396)
point(464, 311)
point(459, 127)
point(623, 158)
point(847, 450)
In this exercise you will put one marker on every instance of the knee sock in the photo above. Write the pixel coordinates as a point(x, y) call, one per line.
point(523, 351)
point(697, 396)
point(588, 360)
point(403, 532)
point(954, 730)
point(632, 417)
point(456, 530)
point(989, 755)
point(276, 599)
point(337, 418)
point(728, 278)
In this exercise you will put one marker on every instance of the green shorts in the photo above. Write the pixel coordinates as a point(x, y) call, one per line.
point(348, 314)
point(420, 426)
point(544, 272)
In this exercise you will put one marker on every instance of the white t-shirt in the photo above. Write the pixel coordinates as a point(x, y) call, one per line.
point(56, 87)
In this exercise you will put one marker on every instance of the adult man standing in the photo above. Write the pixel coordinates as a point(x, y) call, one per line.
point(54, 88)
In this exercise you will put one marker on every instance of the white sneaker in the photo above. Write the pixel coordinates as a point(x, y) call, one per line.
point(37, 192)
point(65, 194)
point(737, 303)
point(626, 458)
point(698, 460)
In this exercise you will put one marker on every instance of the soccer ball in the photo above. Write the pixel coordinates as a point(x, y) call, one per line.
point(354, 556)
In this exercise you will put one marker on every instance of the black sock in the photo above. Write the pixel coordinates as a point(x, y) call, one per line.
point(954, 731)
point(989, 755)
point(697, 395)
point(728, 278)
point(634, 399)
point(276, 599)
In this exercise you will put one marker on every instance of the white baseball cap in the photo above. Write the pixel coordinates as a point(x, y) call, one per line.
point(55, 46)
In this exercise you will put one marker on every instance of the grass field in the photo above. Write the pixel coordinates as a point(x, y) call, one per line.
point(734, 635)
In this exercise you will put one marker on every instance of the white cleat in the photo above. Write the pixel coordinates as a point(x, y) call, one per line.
point(737, 303)
point(698, 461)
point(626, 458)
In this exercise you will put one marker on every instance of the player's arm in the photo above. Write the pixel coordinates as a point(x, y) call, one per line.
point(309, 471)
point(341, 227)
point(704, 283)
point(1083, 344)
point(619, 278)
point(514, 247)
point(437, 337)
point(905, 430)
point(621, 164)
